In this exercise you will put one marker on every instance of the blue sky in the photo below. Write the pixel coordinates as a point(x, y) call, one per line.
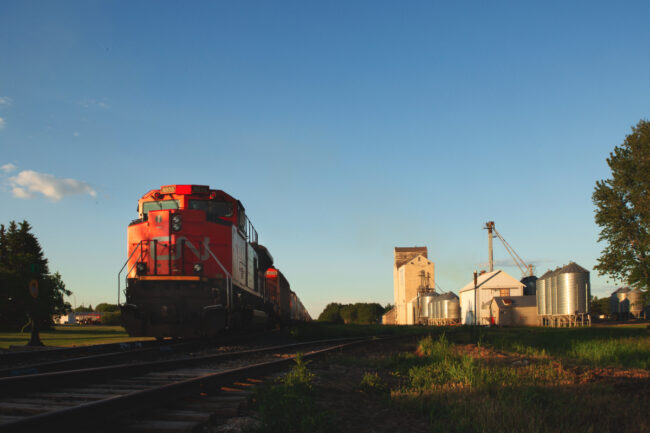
point(345, 128)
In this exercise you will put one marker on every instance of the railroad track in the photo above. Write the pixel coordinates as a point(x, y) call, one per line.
point(189, 391)
point(13, 358)
point(91, 356)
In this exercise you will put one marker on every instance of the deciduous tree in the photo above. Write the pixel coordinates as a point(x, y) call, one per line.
point(623, 211)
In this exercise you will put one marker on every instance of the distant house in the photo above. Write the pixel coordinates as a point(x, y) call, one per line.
point(85, 318)
point(66, 319)
point(89, 318)
point(488, 286)
point(514, 311)
point(390, 317)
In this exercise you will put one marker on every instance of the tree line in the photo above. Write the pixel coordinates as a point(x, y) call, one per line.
point(23, 264)
point(359, 313)
point(99, 308)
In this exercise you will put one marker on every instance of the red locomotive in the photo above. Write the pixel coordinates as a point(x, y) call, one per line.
point(195, 267)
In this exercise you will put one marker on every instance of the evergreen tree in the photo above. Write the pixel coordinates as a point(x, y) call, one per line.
point(623, 211)
point(21, 261)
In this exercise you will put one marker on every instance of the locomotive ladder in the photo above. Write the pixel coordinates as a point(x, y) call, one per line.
point(228, 277)
point(138, 246)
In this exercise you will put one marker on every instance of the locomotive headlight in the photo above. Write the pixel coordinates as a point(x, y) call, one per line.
point(198, 268)
point(177, 222)
point(141, 268)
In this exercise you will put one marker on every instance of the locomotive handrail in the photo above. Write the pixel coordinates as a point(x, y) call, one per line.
point(228, 276)
point(130, 269)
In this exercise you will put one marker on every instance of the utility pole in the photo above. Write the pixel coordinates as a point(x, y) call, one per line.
point(35, 339)
point(475, 298)
point(490, 227)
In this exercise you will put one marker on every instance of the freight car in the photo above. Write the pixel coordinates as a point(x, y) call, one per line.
point(195, 267)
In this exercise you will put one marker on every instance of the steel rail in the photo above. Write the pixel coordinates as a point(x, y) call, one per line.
point(26, 355)
point(106, 358)
point(19, 384)
point(99, 359)
point(156, 396)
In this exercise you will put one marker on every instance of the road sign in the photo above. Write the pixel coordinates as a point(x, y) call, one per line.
point(33, 288)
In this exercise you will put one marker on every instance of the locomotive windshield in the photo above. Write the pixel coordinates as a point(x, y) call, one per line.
point(159, 205)
point(213, 209)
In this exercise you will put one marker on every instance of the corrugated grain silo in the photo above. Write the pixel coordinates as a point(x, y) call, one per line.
point(425, 303)
point(619, 303)
point(573, 289)
point(530, 285)
point(541, 293)
point(636, 302)
point(551, 299)
point(453, 307)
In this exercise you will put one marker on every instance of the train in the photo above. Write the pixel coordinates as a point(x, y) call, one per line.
point(195, 268)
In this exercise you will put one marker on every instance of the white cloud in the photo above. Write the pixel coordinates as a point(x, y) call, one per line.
point(2, 123)
point(8, 168)
point(28, 183)
point(6, 100)
point(76, 134)
point(87, 103)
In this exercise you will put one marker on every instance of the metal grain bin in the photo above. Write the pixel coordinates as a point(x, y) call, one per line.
point(530, 285)
point(573, 290)
point(453, 309)
point(444, 307)
point(542, 293)
point(551, 296)
point(636, 301)
point(565, 294)
point(425, 303)
point(619, 302)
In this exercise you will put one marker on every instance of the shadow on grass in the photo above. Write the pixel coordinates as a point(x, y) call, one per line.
point(94, 330)
point(567, 408)
point(70, 336)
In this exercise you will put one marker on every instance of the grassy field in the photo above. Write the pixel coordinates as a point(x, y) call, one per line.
point(462, 379)
point(623, 346)
point(73, 335)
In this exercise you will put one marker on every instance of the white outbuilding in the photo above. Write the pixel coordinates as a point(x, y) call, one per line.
point(488, 286)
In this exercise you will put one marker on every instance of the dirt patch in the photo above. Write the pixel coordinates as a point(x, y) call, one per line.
point(354, 410)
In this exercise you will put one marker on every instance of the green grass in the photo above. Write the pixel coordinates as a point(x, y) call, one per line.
point(288, 405)
point(618, 346)
point(73, 335)
point(323, 330)
point(435, 380)
point(372, 383)
point(458, 393)
point(601, 346)
point(584, 408)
